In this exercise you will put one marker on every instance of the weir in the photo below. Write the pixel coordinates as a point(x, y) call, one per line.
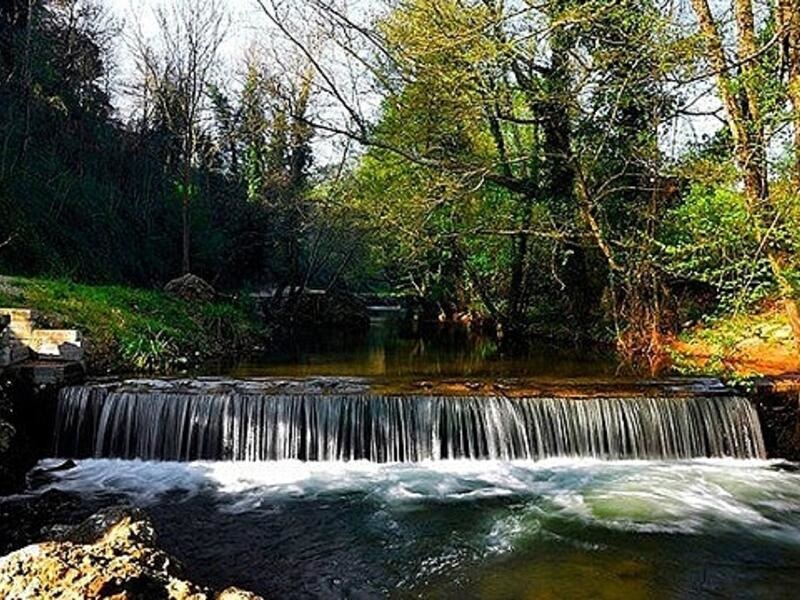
point(174, 423)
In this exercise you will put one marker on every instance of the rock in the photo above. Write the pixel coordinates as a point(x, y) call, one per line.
point(7, 433)
point(49, 515)
point(236, 594)
point(110, 555)
point(191, 288)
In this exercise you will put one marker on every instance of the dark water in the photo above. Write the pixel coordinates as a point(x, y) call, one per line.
point(396, 347)
point(569, 527)
point(471, 529)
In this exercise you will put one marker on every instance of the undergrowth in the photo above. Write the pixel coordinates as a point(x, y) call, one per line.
point(129, 329)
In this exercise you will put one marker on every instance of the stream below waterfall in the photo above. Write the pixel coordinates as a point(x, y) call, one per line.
point(331, 487)
point(558, 528)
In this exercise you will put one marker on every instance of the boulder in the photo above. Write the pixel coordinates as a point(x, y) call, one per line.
point(112, 554)
point(191, 288)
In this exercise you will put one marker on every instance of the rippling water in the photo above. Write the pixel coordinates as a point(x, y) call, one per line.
point(464, 529)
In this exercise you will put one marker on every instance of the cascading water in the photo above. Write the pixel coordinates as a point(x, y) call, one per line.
point(197, 423)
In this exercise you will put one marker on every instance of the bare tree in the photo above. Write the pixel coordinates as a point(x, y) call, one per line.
point(175, 71)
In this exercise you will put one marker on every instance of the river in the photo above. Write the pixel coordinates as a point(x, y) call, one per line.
point(346, 493)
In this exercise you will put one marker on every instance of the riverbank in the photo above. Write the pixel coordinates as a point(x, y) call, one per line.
point(136, 330)
point(738, 346)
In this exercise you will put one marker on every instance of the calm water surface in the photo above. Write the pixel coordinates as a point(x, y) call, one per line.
point(395, 347)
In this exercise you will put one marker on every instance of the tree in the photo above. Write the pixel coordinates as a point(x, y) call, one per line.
point(788, 25)
point(741, 81)
point(276, 151)
point(534, 103)
point(175, 75)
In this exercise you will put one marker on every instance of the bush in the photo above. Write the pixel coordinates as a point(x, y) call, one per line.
point(710, 238)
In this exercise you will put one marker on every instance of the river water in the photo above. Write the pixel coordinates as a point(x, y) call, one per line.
point(395, 347)
point(560, 527)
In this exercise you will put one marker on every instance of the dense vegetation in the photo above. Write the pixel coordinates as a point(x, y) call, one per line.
point(131, 329)
point(528, 165)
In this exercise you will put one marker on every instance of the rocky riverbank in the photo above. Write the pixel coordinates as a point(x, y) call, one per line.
point(113, 553)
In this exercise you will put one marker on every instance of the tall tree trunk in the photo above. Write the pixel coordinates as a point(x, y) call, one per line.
point(515, 319)
point(789, 24)
point(744, 122)
point(186, 244)
point(28, 66)
point(754, 150)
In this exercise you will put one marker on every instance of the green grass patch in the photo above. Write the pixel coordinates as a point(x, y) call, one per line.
point(724, 341)
point(128, 329)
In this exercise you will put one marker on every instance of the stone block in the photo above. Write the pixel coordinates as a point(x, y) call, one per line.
point(12, 355)
point(11, 350)
point(21, 321)
point(51, 372)
point(57, 344)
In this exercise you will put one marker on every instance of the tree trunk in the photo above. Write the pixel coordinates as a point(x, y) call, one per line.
point(514, 325)
point(744, 121)
point(186, 245)
point(789, 24)
point(28, 76)
point(753, 151)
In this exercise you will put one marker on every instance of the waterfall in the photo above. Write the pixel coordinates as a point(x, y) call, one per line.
point(202, 424)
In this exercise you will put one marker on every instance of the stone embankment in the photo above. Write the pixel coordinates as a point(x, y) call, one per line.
point(20, 340)
point(34, 362)
point(111, 555)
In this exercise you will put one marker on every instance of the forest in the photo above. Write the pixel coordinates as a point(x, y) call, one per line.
point(616, 172)
point(449, 299)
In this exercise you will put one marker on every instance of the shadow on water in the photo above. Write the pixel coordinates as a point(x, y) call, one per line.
point(395, 346)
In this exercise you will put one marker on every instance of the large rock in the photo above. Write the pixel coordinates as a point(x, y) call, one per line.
point(111, 555)
point(191, 288)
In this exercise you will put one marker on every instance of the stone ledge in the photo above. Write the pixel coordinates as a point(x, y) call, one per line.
point(44, 372)
point(20, 339)
point(56, 344)
point(13, 354)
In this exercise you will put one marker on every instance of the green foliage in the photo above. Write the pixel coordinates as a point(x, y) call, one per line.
point(720, 341)
point(149, 351)
point(710, 238)
point(516, 170)
point(137, 330)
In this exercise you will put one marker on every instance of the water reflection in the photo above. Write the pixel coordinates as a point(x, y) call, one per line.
point(398, 347)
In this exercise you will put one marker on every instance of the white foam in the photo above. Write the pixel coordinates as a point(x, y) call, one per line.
point(673, 497)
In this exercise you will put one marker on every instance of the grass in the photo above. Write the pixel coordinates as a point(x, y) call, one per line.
point(129, 329)
point(744, 344)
